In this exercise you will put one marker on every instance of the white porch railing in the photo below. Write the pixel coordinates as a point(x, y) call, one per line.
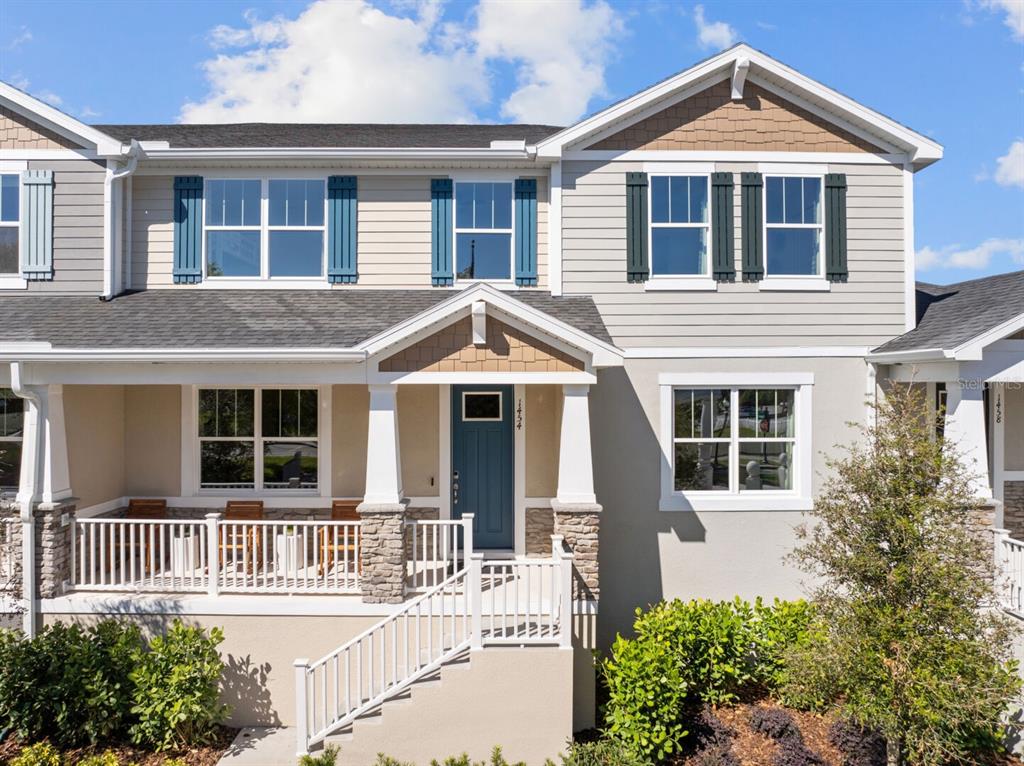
point(215, 555)
point(435, 549)
point(484, 602)
point(1010, 571)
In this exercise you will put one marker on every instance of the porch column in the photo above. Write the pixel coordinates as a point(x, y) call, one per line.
point(382, 556)
point(965, 428)
point(577, 516)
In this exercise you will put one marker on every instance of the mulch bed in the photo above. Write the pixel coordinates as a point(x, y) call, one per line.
point(200, 756)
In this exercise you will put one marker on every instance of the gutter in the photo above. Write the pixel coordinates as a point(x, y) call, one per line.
point(918, 355)
point(112, 227)
point(44, 352)
point(28, 490)
point(329, 153)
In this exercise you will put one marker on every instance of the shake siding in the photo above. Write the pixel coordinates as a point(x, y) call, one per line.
point(393, 232)
point(865, 311)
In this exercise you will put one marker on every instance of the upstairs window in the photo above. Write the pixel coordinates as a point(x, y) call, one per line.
point(483, 230)
point(297, 228)
point(680, 226)
point(12, 423)
point(10, 223)
point(233, 217)
point(793, 226)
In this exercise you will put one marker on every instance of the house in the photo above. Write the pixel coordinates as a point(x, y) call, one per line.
point(405, 403)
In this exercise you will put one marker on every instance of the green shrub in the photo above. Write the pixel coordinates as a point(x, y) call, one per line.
point(497, 759)
point(68, 683)
point(40, 754)
point(176, 689)
point(603, 752)
point(686, 653)
point(106, 758)
point(328, 757)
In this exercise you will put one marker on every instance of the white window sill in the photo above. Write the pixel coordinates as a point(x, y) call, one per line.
point(13, 283)
point(763, 500)
point(795, 284)
point(681, 284)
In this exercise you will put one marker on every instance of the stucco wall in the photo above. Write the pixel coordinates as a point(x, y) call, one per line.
point(418, 439)
point(152, 437)
point(1013, 406)
point(94, 419)
point(351, 422)
point(647, 554)
point(543, 419)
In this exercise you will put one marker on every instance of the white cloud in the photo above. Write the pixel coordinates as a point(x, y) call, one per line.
point(49, 97)
point(1014, 10)
point(559, 49)
point(1010, 167)
point(976, 258)
point(24, 35)
point(353, 61)
point(88, 113)
point(713, 34)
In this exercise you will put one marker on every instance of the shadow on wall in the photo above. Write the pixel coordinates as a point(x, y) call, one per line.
point(627, 471)
point(244, 686)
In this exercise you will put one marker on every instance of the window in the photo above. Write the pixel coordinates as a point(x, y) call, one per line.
point(483, 230)
point(244, 240)
point(680, 226)
point(12, 418)
point(483, 405)
point(258, 438)
point(10, 219)
point(736, 442)
point(793, 226)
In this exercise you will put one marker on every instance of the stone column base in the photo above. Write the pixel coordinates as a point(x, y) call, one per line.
point(580, 525)
point(382, 552)
point(53, 546)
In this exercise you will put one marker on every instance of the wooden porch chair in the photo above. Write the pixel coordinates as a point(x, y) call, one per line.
point(341, 510)
point(235, 540)
point(139, 509)
point(146, 509)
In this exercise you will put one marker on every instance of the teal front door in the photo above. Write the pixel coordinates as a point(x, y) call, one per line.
point(483, 473)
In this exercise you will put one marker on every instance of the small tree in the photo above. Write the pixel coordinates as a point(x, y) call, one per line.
point(910, 641)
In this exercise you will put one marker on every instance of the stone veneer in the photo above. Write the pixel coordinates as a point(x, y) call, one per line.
point(1013, 508)
point(382, 553)
point(540, 525)
point(53, 547)
point(580, 525)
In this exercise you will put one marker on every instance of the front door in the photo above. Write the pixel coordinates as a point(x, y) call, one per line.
point(483, 473)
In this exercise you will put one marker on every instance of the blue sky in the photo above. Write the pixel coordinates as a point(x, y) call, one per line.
point(951, 69)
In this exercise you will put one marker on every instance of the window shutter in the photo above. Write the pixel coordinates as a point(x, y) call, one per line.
point(835, 227)
point(722, 247)
point(188, 230)
point(37, 225)
point(442, 274)
point(753, 231)
point(341, 230)
point(526, 231)
point(637, 268)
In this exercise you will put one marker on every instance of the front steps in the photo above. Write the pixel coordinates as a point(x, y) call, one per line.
point(518, 698)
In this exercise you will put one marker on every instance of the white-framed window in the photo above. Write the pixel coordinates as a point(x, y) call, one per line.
point(269, 228)
point(10, 224)
point(258, 438)
point(481, 405)
point(483, 230)
point(794, 226)
point(12, 425)
point(680, 225)
point(736, 441)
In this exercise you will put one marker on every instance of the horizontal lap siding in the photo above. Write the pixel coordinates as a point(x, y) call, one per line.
point(393, 232)
point(865, 311)
point(77, 227)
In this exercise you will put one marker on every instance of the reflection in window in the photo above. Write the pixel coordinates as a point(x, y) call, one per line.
point(232, 228)
point(680, 225)
point(483, 230)
point(296, 239)
point(793, 218)
point(12, 422)
point(10, 224)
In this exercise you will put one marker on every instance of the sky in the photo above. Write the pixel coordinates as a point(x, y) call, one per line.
point(950, 69)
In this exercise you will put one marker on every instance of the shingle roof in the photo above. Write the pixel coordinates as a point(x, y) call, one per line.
point(306, 136)
point(297, 319)
point(951, 315)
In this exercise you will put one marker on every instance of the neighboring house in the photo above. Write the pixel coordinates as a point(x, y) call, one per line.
point(261, 376)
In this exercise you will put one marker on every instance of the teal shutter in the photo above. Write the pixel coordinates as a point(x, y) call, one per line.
point(188, 230)
point(637, 268)
point(442, 273)
point(341, 230)
point(722, 247)
point(753, 231)
point(835, 228)
point(37, 225)
point(526, 231)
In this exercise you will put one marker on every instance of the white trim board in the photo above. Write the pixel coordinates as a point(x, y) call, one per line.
point(53, 119)
point(759, 352)
point(715, 156)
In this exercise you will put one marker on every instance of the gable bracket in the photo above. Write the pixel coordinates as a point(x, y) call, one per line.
point(740, 68)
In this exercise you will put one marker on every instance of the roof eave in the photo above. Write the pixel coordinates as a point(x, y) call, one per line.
point(63, 124)
point(44, 352)
point(336, 153)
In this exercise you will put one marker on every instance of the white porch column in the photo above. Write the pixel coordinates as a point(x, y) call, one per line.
point(575, 460)
point(56, 485)
point(383, 460)
point(965, 428)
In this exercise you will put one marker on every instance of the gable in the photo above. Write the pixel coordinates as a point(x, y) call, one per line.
point(18, 132)
point(508, 349)
point(711, 120)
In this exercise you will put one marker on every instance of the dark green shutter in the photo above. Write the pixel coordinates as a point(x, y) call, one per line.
point(442, 273)
point(835, 227)
point(526, 231)
point(637, 268)
point(722, 248)
point(188, 230)
point(753, 231)
point(341, 230)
